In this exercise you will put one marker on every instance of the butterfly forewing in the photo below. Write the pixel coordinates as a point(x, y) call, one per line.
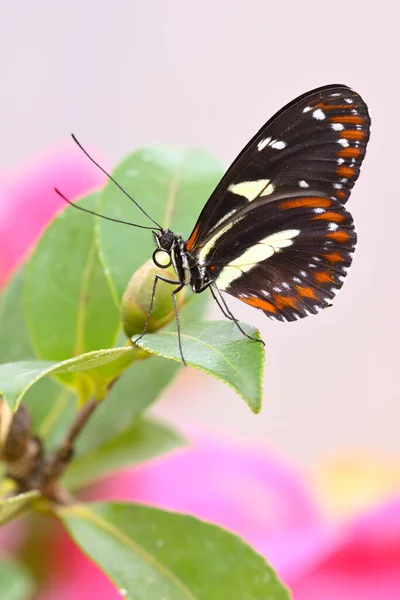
point(314, 145)
point(288, 257)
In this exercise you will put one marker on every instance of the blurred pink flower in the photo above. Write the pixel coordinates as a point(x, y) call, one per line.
point(244, 489)
point(265, 501)
point(28, 200)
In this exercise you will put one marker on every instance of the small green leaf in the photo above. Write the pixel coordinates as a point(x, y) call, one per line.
point(137, 388)
point(16, 378)
point(152, 554)
point(13, 507)
point(69, 305)
point(172, 186)
point(139, 442)
point(16, 582)
point(218, 348)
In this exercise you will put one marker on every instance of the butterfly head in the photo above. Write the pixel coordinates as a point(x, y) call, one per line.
point(162, 254)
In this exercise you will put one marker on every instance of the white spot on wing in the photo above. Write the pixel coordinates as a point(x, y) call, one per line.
point(343, 143)
point(319, 114)
point(278, 145)
point(337, 186)
point(340, 161)
point(337, 126)
point(303, 273)
point(306, 109)
point(303, 184)
point(261, 145)
point(319, 211)
point(286, 285)
point(277, 289)
point(333, 226)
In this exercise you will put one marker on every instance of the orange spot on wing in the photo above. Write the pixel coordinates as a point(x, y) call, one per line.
point(334, 106)
point(306, 292)
point(323, 277)
point(192, 239)
point(307, 202)
point(258, 303)
point(353, 119)
point(349, 153)
point(338, 236)
point(340, 194)
point(329, 215)
point(334, 257)
point(283, 301)
point(344, 171)
point(352, 134)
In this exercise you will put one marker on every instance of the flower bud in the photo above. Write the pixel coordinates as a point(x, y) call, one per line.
point(137, 297)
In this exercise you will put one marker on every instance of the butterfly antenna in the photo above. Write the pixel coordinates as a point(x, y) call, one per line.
point(115, 182)
point(91, 212)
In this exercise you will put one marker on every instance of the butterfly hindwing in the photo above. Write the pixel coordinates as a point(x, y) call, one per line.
point(314, 145)
point(288, 257)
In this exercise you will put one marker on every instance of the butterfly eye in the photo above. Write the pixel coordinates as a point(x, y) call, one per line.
point(161, 258)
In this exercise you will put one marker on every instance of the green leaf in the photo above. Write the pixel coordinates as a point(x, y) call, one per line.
point(16, 378)
point(16, 582)
point(172, 186)
point(69, 305)
point(13, 507)
point(218, 348)
point(139, 442)
point(152, 554)
point(50, 405)
point(14, 337)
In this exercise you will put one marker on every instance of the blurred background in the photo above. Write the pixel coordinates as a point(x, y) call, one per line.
point(209, 74)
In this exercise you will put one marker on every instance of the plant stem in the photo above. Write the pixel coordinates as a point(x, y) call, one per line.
point(60, 458)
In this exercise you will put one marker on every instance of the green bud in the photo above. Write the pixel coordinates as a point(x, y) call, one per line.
point(137, 296)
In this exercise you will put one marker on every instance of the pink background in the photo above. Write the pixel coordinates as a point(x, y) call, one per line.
point(209, 74)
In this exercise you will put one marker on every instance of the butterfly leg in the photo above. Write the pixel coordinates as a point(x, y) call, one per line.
point(178, 325)
point(220, 300)
point(153, 295)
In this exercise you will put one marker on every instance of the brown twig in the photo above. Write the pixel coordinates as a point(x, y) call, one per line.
point(60, 458)
point(29, 467)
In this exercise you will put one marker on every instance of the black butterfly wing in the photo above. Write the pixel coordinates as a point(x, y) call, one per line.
point(315, 145)
point(288, 257)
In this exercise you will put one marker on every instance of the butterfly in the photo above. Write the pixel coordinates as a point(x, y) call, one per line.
point(275, 232)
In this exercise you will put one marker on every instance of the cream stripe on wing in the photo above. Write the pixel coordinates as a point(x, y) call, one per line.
point(261, 251)
point(252, 189)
